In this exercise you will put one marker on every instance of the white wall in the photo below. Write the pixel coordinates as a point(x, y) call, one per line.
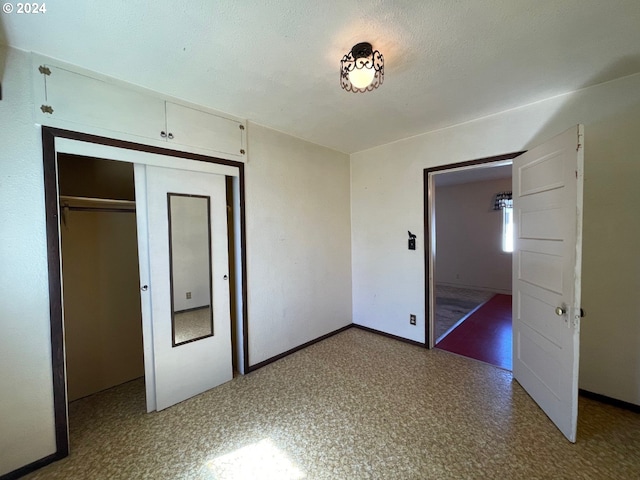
point(469, 237)
point(387, 189)
point(298, 251)
point(26, 398)
point(298, 234)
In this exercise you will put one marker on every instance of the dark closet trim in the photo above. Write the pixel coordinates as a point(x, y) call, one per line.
point(49, 136)
point(55, 292)
point(425, 213)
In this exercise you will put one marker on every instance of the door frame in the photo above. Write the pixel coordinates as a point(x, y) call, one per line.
point(54, 257)
point(429, 231)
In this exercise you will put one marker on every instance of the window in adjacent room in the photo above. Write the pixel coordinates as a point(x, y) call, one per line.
point(504, 201)
point(507, 229)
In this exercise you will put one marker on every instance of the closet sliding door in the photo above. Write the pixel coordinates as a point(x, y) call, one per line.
point(184, 272)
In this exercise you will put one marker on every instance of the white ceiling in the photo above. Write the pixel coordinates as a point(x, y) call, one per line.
point(276, 62)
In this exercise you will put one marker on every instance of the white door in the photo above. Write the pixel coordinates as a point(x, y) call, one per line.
point(187, 294)
point(547, 202)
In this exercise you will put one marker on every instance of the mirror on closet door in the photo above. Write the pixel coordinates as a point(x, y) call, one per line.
point(190, 263)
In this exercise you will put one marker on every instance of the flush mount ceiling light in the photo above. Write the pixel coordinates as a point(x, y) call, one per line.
point(362, 69)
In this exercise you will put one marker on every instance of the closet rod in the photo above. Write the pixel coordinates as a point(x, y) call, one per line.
point(92, 204)
point(98, 209)
point(109, 201)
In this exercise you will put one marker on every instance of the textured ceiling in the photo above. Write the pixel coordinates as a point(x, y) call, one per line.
point(275, 62)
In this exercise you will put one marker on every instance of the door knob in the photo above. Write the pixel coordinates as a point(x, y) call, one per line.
point(225, 278)
point(560, 311)
point(144, 288)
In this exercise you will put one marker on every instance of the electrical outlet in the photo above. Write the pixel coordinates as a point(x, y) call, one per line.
point(412, 319)
point(188, 295)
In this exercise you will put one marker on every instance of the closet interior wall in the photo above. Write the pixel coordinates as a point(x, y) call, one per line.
point(102, 317)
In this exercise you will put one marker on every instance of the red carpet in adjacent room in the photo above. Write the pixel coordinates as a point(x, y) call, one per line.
point(485, 335)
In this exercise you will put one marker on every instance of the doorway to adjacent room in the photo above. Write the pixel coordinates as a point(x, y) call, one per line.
point(471, 265)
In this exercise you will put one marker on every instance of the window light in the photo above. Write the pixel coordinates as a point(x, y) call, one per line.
point(507, 229)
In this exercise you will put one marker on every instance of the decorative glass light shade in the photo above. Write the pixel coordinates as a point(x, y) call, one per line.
point(362, 69)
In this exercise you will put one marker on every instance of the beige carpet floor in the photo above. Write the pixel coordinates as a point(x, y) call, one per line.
point(355, 406)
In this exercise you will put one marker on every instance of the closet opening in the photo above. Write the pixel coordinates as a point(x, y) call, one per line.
point(100, 276)
point(86, 177)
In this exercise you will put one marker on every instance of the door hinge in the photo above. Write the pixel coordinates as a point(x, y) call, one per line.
point(579, 141)
point(241, 127)
point(46, 109)
point(44, 70)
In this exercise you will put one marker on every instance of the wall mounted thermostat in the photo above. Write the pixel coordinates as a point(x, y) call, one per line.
point(412, 241)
